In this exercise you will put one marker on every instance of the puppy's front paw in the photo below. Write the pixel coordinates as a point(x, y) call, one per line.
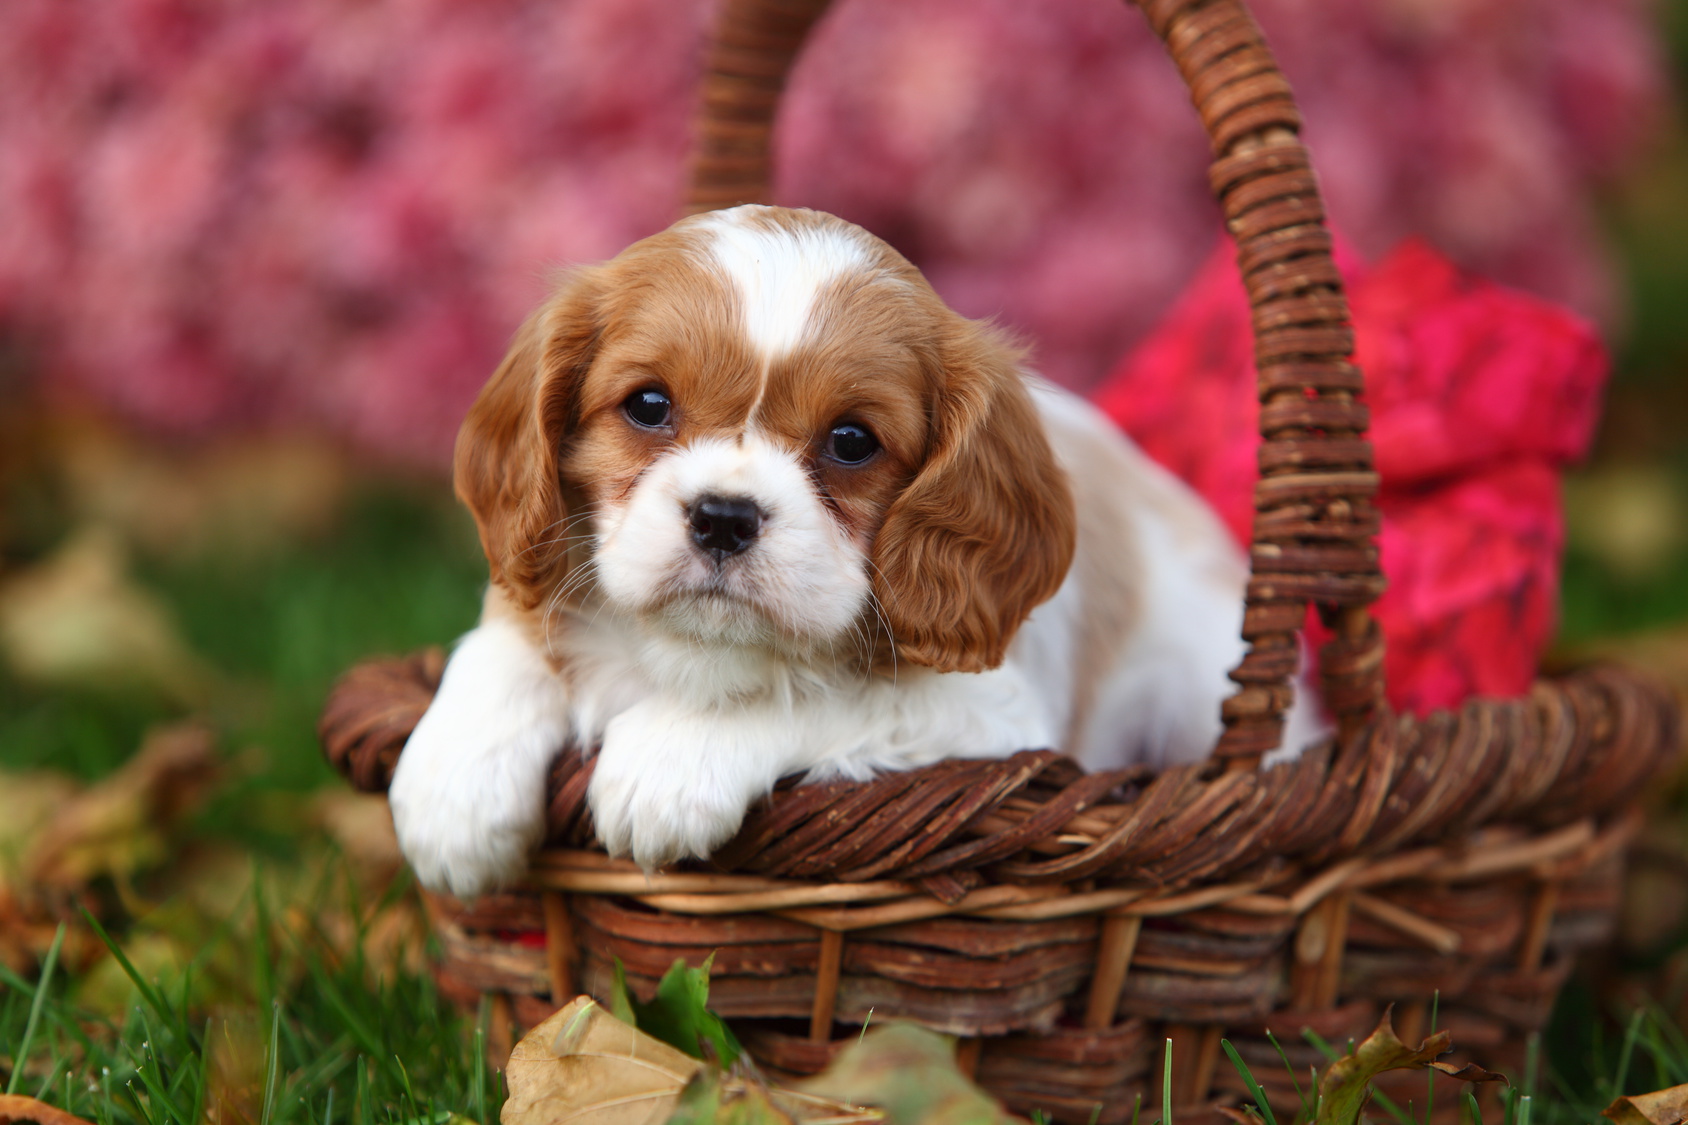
point(469, 805)
point(666, 787)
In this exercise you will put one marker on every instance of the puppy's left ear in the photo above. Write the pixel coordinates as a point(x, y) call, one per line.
point(984, 532)
point(507, 460)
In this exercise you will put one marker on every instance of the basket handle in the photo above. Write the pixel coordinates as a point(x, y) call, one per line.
point(1315, 520)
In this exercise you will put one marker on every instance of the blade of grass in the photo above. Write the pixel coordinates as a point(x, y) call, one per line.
point(1166, 1087)
point(1254, 1089)
point(22, 1054)
point(148, 993)
point(157, 1093)
point(1307, 1107)
point(203, 1075)
point(42, 1091)
point(478, 1085)
point(1532, 1060)
point(1471, 1105)
point(366, 1098)
point(135, 1100)
point(1430, 1074)
point(272, 1065)
point(1631, 1033)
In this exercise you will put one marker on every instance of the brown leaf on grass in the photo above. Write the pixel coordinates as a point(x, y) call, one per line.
point(1346, 1086)
point(15, 1109)
point(27, 802)
point(584, 1065)
point(1661, 1107)
point(120, 826)
point(78, 619)
point(1630, 517)
point(361, 825)
point(242, 495)
point(911, 1074)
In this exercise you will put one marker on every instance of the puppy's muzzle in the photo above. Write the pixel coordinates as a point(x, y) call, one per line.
point(723, 525)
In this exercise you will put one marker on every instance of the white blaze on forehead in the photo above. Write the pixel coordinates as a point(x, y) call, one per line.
point(779, 272)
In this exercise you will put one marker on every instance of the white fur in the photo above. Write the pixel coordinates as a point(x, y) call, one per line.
point(779, 274)
point(468, 795)
point(1159, 704)
point(804, 578)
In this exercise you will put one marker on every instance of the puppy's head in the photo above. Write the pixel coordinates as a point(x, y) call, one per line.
point(761, 426)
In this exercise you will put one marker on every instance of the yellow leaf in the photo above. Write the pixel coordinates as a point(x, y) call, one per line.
point(1346, 1086)
point(1661, 1107)
point(585, 1066)
point(78, 619)
point(119, 826)
point(15, 1109)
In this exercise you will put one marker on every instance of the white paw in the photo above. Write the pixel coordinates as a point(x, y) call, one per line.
point(468, 795)
point(465, 831)
point(669, 785)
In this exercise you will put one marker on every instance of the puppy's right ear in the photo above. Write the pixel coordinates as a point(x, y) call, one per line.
point(506, 463)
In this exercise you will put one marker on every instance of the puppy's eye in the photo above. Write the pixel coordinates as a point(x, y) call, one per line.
point(851, 444)
point(648, 408)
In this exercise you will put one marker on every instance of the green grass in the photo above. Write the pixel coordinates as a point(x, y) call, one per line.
point(401, 570)
point(310, 1034)
point(327, 1035)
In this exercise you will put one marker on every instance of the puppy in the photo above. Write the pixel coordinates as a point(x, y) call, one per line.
point(756, 502)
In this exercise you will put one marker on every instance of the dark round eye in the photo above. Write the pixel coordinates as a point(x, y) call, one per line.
point(648, 408)
point(851, 444)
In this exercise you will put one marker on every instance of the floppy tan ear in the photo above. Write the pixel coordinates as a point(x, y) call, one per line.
point(985, 530)
point(506, 462)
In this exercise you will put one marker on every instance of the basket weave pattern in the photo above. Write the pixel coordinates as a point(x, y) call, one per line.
point(1063, 923)
point(1058, 914)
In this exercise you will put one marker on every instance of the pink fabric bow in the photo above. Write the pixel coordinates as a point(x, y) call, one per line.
point(1479, 396)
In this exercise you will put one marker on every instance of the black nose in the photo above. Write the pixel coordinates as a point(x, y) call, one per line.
point(724, 525)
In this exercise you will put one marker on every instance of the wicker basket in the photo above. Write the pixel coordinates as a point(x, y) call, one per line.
point(1065, 924)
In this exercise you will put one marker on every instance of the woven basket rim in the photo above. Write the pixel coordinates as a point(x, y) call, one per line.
point(1577, 750)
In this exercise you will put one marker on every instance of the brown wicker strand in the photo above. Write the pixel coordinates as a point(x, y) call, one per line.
point(1270, 199)
point(755, 45)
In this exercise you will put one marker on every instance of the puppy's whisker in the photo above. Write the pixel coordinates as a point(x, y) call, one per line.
point(880, 612)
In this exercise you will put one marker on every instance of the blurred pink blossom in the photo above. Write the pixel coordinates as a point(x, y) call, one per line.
point(222, 212)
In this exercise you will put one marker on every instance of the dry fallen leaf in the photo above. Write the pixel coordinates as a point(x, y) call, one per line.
point(1661, 1107)
point(245, 495)
point(120, 826)
point(77, 619)
point(584, 1065)
point(27, 802)
point(361, 825)
point(1631, 517)
point(1346, 1086)
point(15, 1109)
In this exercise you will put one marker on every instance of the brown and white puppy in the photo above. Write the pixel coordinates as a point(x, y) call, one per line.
point(756, 502)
